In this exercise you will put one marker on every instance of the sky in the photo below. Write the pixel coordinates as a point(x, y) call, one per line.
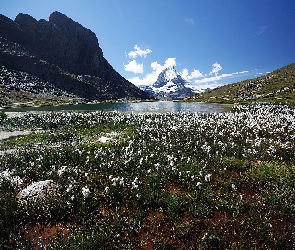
point(209, 42)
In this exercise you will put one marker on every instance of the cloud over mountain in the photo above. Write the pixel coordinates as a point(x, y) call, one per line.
point(194, 77)
point(134, 66)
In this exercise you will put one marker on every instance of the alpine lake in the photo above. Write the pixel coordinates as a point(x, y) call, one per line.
point(133, 107)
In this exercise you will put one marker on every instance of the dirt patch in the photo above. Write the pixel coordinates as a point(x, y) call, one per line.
point(173, 188)
point(157, 233)
point(40, 235)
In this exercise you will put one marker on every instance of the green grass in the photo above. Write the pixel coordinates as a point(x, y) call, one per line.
point(3, 115)
point(279, 186)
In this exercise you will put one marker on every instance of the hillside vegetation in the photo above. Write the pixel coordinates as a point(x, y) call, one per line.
point(277, 86)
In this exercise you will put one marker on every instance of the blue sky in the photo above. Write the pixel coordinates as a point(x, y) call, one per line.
point(210, 42)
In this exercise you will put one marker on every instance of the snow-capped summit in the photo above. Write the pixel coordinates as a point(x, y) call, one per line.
point(165, 76)
point(170, 86)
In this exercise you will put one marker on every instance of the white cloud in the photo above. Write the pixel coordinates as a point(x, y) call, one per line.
point(184, 74)
point(138, 52)
point(195, 74)
point(190, 20)
point(216, 78)
point(136, 80)
point(158, 68)
point(212, 79)
point(147, 80)
point(170, 62)
point(216, 68)
point(118, 9)
point(262, 30)
point(134, 67)
point(188, 77)
point(153, 76)
point(209, 86)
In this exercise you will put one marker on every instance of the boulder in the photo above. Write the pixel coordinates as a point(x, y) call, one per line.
point(36, 190)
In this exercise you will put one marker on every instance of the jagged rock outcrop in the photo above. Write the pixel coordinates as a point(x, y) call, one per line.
point(170, 86)
point(62, 53)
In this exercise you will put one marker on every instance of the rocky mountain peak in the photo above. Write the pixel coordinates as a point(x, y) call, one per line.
point(72, 28)
point(170, 86)
point(25, 20)
point(168, 74)
point(58, 18)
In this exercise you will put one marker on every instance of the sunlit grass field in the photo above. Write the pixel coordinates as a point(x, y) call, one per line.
point(97, 180)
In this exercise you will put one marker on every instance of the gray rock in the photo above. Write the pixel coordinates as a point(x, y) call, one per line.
point(36, 189)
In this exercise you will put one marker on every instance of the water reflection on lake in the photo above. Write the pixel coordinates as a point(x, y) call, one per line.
point(135, 107)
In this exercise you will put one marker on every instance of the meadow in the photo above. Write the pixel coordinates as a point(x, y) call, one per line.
point(110, 180)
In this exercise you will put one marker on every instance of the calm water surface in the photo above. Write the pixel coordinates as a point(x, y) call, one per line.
point(138, 107)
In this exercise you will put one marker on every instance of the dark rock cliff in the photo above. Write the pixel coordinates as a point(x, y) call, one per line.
point(64, 54)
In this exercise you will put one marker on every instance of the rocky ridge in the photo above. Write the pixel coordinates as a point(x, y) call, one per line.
point(59, 57)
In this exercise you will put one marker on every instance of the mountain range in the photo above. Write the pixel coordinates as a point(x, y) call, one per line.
point(170, 86)
point(60, 61)
point(56, 60)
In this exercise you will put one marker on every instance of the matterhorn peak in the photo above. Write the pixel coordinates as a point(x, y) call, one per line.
point(170, 86)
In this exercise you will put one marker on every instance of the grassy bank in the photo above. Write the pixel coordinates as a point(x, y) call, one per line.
point(150, 181)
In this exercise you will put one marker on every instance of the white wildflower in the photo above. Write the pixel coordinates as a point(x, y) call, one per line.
point(70, 187)
point(85, 191)
point(16, 181)
point(61, 170)
point(135, 183)
point(121, 181)
point(208, 177)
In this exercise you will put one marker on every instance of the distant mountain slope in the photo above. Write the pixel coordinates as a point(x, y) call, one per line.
point(170, 86)
point(59, 54)
point(277, 86)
